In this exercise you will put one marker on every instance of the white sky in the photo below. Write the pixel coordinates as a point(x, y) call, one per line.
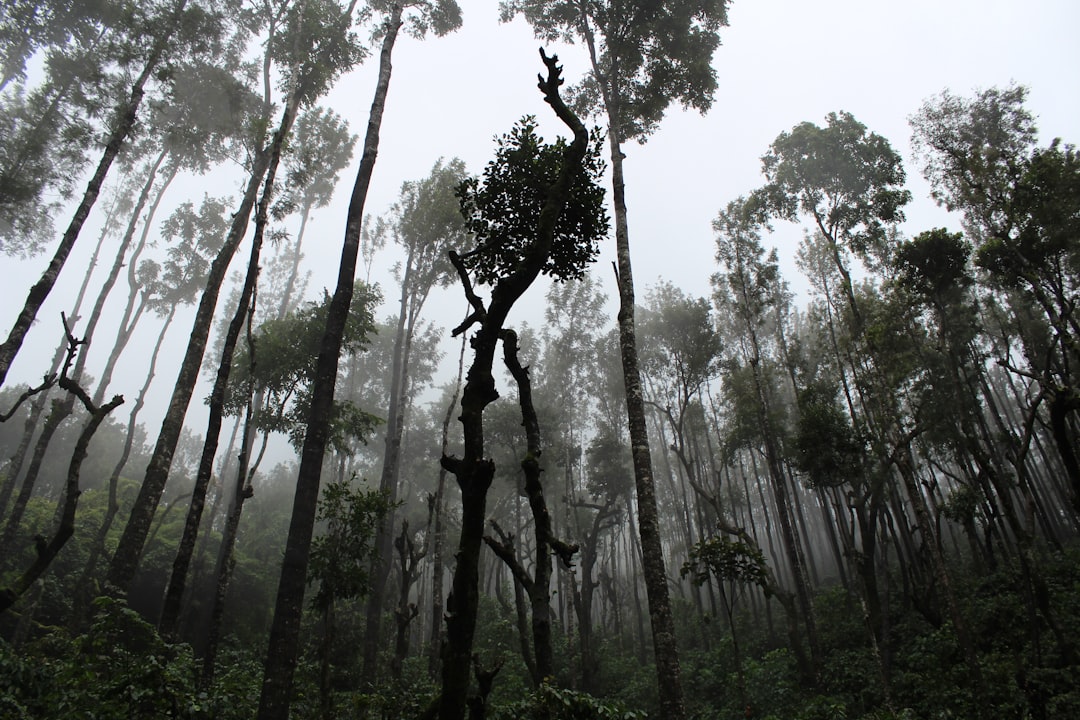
point(781, 62)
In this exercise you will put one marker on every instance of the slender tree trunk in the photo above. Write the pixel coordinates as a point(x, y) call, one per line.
point(126, 558)
point(174, 593)
point(241, 491)
point(388, 481)
point(283, 648)
point(125, 120)
point(655, 573)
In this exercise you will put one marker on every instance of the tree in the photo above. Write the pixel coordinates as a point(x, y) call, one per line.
point(1021, 213)
point(849, 181)
point(441, 17)
point(643, 57)
point(516, 213)
point(321, 46)
point(321, 148)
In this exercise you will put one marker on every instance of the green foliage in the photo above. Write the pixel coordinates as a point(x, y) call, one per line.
point(650, 55)
point(827, 448)
point(340, 557)
point(933, 264)
point(503, 208)
point(847, 179)
point(120, 670)
point(287, 352)
point(552, 703)
point(726, 560)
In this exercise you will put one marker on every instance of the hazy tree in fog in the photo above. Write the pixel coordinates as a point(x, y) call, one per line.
point(315, 44)
point(426, 223)
point(318, 46)
point(849, 182)
point(48, 129)
point(752, 297)
point(1021, 211)
point(320, 148)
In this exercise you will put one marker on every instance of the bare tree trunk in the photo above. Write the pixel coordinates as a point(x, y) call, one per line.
point(46, 552)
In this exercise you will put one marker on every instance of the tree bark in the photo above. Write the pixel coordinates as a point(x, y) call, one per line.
point(126, 559)
point(283, 648)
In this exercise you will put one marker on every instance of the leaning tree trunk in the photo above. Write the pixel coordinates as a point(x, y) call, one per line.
point(126, 559)
point(125, 121)
point(284, 642)
point(174, 593)
point(223, 570)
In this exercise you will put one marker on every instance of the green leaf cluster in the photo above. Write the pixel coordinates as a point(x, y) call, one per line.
point(502, 209)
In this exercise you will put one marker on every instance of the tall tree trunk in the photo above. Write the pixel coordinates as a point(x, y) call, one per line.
point(174, 593)
point(241, 491)
point(663, 626)
point(125, 120)
point(654, 571)
point(388, 480)
point(283, 648)
point(126, 559)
